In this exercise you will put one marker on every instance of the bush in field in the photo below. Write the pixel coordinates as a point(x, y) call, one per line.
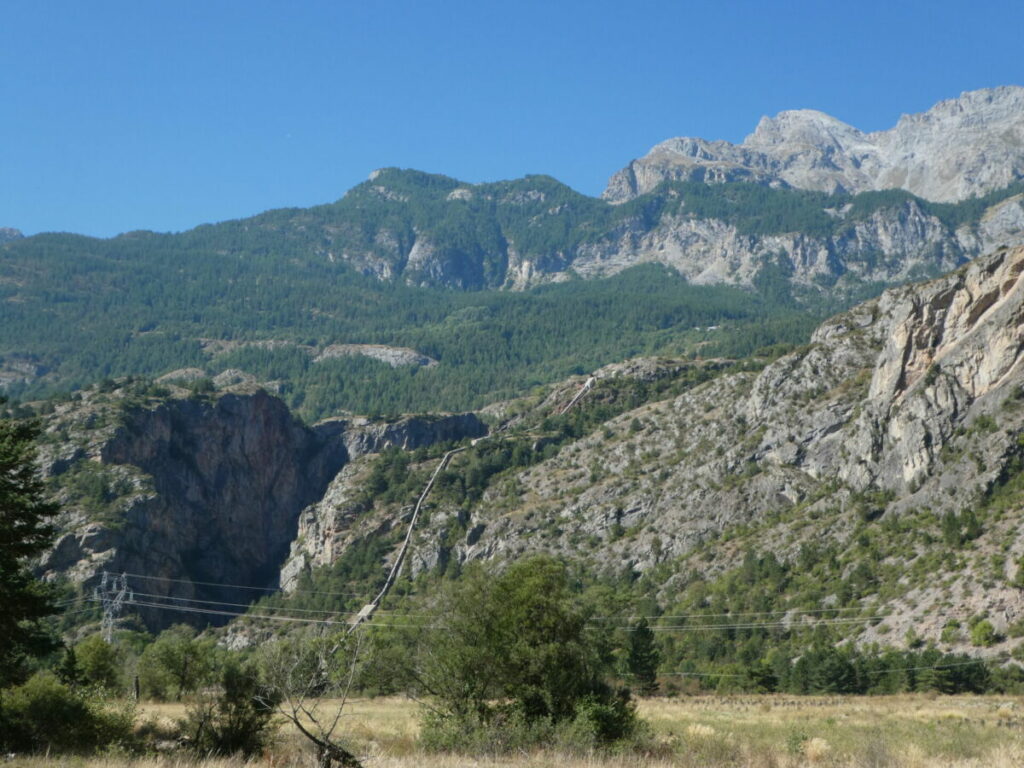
point(238, 720)
point(517, 661)
point(98, 662)
point(45, 715)
point(177, 662)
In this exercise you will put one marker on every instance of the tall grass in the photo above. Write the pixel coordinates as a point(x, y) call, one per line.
point(696, 732)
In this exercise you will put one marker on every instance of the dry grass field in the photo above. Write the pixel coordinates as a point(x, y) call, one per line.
point(693, 732)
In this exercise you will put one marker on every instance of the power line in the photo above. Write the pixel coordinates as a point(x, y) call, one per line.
point(759, 625)
point(296, 619)
point(235, 605)
point(750, 625)
point(212, 605)
point(235, 614)
point(152, 595)
point(241, 586)
point(232, 614)
point(781, 611)
point(880, 671)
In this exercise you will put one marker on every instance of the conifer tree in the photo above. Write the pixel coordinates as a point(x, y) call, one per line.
point(643, 657)
point(25, 532)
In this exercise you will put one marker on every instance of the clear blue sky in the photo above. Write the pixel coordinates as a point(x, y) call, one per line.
point(139, 114)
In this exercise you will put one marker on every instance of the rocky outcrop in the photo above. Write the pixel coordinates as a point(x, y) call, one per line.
point(959, 148)
point(339, 518)
point(871, 403)
point(393, 356)
point(9, 233)
point(227, 478)
point(908, 406)
point(19, 369)
point(844, 249)
point(209, 491)
point(890, 246)
point(363, 436)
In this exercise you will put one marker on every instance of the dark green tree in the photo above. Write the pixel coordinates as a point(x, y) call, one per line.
point(177, 661)
point(99, 662)
point(25, 532)
point(239, 719)
point(517, 644)
point(69, 672)
point(643, 658)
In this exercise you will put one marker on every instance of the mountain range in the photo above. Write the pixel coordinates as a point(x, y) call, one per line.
point(832, 437)
point(275, 296)
point(960, 148)
point(879, 469)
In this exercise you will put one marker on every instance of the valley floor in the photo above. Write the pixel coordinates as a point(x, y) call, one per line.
point(694, 732)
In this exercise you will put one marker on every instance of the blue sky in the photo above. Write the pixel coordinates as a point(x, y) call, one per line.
point(137, 114)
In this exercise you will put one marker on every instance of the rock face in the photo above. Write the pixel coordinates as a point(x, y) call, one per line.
point(210, 492)
point(903, 412)
point(908, 407)
point(225, 480)
point(16, 369)
point(892, 245)
point(337, 519)
point(393, 356)
point(845, 249)
point(9, 233)
point(958, 148)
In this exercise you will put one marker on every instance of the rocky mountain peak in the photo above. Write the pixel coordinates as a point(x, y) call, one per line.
point(957, 149)
point(804, 125)
point(9, 233)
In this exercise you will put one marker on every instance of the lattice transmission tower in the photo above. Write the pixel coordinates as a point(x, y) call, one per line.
point(112, 593)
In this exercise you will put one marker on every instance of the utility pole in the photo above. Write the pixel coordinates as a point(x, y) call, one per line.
point(112, 594)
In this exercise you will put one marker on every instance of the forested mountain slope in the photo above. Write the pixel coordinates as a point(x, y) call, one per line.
point(867, 486)
point(873, 475)
point(328, 340)
point(299, 297)
point(397, 297)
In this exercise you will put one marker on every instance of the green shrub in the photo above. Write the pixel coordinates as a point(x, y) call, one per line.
point(984, 634)
point(44, 715)
point(98, 662)
point(177, 662)
point(505, 730)
point(238, 720)
point(509, 729)
point(606, 719)
point(520, 638)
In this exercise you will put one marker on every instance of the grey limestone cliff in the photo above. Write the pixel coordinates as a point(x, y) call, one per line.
point(959, 148)
point(187, 494)
point(909, 407)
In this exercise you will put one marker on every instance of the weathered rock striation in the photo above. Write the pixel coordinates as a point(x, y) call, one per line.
point(891, 246)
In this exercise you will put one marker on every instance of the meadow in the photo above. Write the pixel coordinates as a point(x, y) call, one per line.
point(694, 732)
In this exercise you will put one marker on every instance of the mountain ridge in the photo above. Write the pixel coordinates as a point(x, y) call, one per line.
point(960, 147)
point(885, 456)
